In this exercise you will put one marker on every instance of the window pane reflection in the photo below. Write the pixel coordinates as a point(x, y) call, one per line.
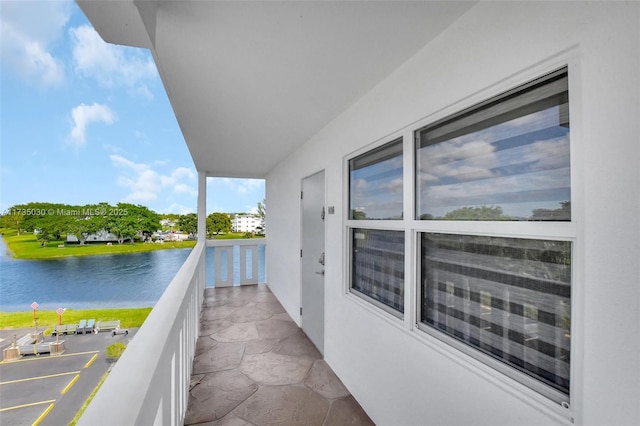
point(507, 159)
point(378, 266)
point(375, 183)
point(510, 298)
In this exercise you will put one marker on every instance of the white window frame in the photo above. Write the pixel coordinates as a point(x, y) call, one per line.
point(375, 224)
point(522, 386)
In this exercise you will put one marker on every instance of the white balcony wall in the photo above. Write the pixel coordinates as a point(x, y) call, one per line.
point(399, 375)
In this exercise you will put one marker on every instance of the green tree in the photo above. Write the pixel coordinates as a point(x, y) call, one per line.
point(35, 215)
point(125, 216)
point(262, 214)
point(83, 226)
point(44, 236)
point(56, 224)
point(217, 223)
point(188, 223)
point(174, 217)
point(11, 220)
point(123, 227)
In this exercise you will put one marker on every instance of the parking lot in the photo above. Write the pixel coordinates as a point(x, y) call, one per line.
point(49, 390)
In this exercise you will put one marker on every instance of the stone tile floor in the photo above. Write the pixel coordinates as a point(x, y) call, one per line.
point(255, 366)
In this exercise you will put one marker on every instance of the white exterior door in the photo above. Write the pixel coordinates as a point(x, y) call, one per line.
point(312, 259)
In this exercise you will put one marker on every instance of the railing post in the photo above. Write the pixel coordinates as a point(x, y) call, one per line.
point(247, 249)
point(202, 206)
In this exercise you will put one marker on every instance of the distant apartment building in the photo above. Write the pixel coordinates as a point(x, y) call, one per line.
point(246, 223)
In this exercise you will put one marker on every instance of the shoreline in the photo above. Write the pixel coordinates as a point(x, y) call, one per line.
point(26, 247)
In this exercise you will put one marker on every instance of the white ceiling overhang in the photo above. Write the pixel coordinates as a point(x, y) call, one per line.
point(251, 81)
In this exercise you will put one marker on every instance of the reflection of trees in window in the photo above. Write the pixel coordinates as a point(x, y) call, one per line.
point(477, 213)
point(495, 213)
point(563, 213)
point(358, 214)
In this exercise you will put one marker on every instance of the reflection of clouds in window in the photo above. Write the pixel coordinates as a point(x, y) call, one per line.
point(378, 197)
point(545, 186)
point(477, 155)
point(394, 185)
point(549, 154)
point(361, 184)
point(526, 124)
point(520, 164)
point(376, 183)
point(464, 156)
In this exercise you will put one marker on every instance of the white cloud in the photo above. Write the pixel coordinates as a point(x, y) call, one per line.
point(27, 32)
point(112, 65)
point(183, 172)
point(83, 115)
point(179, 209)
point(146, 184)
point(242, 186)
point(185, 189)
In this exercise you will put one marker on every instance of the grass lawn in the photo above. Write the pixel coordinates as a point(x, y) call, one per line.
point(129, 317)
point(26, 246)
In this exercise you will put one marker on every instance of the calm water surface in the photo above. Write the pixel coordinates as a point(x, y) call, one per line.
point(113, 281)
point(124, 280)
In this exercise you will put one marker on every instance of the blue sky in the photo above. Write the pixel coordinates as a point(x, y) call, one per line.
point(84, 122)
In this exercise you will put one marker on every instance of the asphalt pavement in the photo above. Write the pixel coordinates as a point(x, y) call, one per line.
point(48, 390)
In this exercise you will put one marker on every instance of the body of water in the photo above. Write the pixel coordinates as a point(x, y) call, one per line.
point(111, 281)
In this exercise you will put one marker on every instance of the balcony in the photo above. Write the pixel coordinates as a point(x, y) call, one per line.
point(253, 364)
point(229, 352)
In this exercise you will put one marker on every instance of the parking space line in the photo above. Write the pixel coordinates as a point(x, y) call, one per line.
point(50, 401)
point(50, 357)
point(39, 378)
point(43, 415)
point(93, 358)
point(71, 383)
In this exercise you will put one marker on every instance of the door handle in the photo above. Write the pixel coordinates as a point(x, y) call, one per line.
point(320, 272)
point(321, 260)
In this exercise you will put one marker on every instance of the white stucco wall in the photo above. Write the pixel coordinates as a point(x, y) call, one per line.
point(401, 376)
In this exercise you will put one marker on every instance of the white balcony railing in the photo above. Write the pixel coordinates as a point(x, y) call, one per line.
point(236, 261)
point(150, 382)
